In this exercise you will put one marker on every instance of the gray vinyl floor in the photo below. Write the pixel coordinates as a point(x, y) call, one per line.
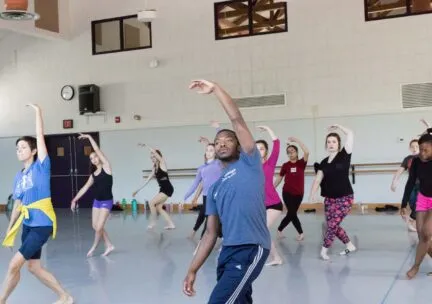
point(149, 267)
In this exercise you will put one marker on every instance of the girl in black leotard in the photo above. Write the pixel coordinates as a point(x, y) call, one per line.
point(160, 172)
point(102, 181)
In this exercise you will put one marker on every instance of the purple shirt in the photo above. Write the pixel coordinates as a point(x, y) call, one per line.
point(269, 166)
point(208, 174)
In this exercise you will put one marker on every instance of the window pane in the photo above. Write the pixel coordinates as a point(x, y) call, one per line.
point(420, 6)
point(232, 19)
point(107, 36)
point(377, 9)
point(136, 34)
point(269, 17)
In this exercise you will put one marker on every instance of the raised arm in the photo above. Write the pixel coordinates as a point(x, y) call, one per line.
point(105, 163)
point(269, 131)
point(315, 185)
point(215, 124)
point(204, 140)
point(273, 158)
point(239, 125)
point(425, 123)
point(349, 141)
point(40, 139)
point(82, 191)
point(160, 159)
point(152, 174)
point(302, 147)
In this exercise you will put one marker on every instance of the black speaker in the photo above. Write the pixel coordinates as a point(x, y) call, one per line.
point(89, 101)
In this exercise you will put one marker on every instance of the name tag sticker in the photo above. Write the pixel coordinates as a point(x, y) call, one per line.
point(294, 170)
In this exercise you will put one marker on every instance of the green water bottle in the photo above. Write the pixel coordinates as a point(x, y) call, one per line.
point(124, 204)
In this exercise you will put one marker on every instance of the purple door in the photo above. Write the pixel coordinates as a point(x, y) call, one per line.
point(60, 152)
point(82, 169)
point(70, 168)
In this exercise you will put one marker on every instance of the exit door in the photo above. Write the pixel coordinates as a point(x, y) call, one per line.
point(70, 168)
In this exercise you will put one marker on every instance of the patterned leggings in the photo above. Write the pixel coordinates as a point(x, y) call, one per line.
point(336, 209)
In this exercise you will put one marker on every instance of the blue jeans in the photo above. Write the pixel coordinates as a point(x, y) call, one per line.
point(238, 267)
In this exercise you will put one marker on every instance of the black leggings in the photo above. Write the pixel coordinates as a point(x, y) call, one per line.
point(201, 215)
point(292, 202)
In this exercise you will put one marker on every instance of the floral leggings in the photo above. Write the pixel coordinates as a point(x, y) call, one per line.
point(336, 209)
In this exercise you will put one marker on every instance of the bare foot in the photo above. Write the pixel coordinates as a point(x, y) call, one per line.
point(108, 250)
point(192, 235)
point(280, 235)
point(412, 272)
point(275, 262)
point(150, 227)
point(66, 299)
point(411, 225)
point(90, 253)
point(300, 237)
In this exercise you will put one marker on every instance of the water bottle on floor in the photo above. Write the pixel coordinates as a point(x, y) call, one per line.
point(124, 204)
point(134, 205)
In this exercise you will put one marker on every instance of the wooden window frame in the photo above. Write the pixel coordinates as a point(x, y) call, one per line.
point(408, 12)
point(250, 19)
point(122, 42)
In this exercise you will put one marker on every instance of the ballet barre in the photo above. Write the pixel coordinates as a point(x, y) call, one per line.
point(360, 168)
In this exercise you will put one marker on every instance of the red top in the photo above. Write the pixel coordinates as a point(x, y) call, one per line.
point(294, 177)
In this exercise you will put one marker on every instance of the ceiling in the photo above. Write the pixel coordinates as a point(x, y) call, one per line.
point(48, 26)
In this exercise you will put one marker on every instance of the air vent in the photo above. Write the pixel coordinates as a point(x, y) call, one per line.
point(260, 101)
point(416, 95)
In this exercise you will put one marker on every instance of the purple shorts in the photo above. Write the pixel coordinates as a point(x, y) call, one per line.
point(103, 204)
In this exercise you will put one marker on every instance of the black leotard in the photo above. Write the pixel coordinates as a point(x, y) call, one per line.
point(165, 185)
point(103, 183)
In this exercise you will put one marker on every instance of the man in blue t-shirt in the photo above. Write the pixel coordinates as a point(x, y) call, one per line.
point(236, 201)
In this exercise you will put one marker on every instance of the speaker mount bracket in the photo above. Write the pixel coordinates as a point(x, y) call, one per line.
point(100, 113)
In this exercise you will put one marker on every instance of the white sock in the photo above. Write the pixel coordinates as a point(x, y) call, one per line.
point(324, 255)
point(349, 248)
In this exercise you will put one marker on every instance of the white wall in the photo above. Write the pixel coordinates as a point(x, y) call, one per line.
point(330, 59)
point(181, 149)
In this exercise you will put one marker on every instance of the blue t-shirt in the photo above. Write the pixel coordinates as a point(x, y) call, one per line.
point(237, 198)
point(31, 186)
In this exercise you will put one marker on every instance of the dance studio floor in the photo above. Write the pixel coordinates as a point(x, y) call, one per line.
point(149, 267)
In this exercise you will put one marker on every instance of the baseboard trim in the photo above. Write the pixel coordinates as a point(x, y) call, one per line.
point(174, 207)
